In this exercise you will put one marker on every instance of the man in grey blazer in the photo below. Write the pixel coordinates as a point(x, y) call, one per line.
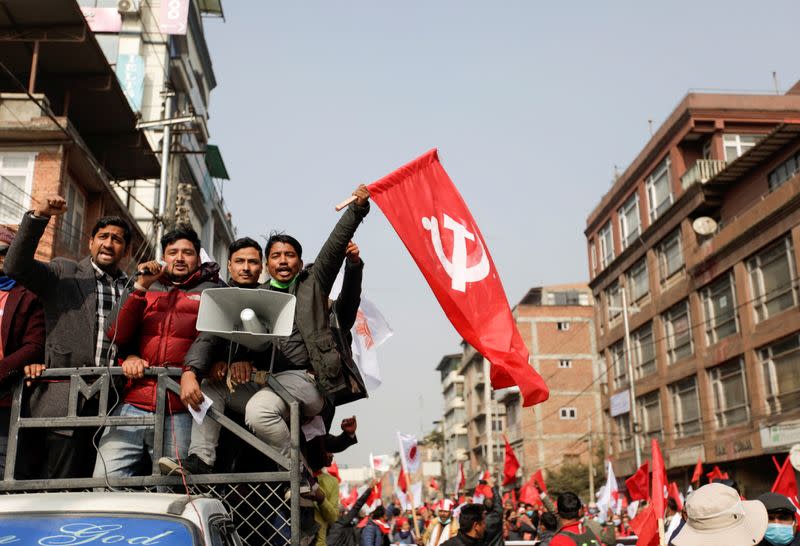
point(78, 298)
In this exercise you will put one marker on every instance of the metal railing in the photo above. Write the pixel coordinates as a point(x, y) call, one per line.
point(702, 171)
point(257, 500)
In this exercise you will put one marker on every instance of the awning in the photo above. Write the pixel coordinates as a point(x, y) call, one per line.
point(73, 73)
point(211, 8)
point(215, 164)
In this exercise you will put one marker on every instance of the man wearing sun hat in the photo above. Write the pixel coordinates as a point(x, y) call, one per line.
point(443, 527)
point(715, 515)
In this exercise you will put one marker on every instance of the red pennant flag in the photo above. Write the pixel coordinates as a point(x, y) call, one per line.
point(698, 471)
point(716, 474)
point(437, 228)
point(462, 478)
point(786, 483)
point(374, 495)
point(433, 484)
point(528, 493)
point(638, 485)
point(675, 494)
point(351, 499)
point(659, 480)
point(402, 482)
point(539, 479)
point(645, 525)
point(333, 470)
point(510, 466)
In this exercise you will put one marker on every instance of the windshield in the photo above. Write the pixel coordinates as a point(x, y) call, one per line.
point(73, 529)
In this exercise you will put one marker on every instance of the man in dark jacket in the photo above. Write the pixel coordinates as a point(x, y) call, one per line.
point(77, 299)
point(376, 531)
point(342, 532)
point(471, 527)
point(781, 521)
point(21, 338)
point(307, 364)
point(155, 327)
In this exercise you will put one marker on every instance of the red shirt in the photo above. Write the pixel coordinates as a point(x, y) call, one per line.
point(563, 540)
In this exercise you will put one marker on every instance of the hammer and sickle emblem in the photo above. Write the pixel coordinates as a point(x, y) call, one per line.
point(457, 269)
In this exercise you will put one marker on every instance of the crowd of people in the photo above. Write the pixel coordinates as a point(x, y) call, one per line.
point(713, 515)
point(89, 313)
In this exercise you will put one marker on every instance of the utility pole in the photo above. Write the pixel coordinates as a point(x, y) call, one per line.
point(637, 447)
point(166, 144)
point(487, 402)
point(591, 462)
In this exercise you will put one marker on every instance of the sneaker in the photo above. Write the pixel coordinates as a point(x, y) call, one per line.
point(192, 464)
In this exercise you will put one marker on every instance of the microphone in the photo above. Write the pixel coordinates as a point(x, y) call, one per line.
point(141, 272)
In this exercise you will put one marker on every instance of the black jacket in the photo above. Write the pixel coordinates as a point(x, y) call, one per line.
point(463, 540)
point(342, 532)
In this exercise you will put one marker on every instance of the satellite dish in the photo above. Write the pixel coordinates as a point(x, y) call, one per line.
point(704, 225)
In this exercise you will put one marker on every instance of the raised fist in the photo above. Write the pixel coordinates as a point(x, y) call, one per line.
point(52, 205)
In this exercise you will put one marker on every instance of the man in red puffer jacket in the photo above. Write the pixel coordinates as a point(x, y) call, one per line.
point(155, 327)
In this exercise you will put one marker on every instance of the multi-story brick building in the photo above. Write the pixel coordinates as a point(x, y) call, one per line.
point(454, 425)
point(701, 232)
point(557, 325)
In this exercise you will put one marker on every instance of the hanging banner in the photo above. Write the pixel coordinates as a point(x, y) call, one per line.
point(173, 16)
point(103, 19)
point(130, 73)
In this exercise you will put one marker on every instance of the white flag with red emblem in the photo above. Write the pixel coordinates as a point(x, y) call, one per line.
point(409, 452)
point(369, 333)
point(380, 463)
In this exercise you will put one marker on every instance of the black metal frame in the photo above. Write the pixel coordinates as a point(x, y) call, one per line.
point(100, 387)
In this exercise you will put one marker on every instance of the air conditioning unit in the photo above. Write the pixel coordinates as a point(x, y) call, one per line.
point(128, 7)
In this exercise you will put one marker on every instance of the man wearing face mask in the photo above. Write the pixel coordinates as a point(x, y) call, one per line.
point(782, 526)
point(443, 527)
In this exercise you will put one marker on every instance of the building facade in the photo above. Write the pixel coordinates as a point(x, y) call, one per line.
point(696, 245)
point(557, 325)
point(454, 424)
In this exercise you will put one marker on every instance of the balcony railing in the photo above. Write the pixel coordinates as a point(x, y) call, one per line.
point(702, 171)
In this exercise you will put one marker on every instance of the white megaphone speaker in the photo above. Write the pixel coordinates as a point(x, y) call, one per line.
point(249, 316)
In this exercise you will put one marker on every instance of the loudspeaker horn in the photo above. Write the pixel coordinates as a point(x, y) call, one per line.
point(249, 316)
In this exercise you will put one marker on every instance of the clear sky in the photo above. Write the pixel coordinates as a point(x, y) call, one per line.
point(531, 104)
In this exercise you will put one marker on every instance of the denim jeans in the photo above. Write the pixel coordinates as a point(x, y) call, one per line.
point(121, 447)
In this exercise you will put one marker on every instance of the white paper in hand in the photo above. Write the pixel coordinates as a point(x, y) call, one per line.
point(200, 414)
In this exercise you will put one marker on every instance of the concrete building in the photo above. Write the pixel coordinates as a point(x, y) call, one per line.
point(454, 425)
point(158, 50)
point(701, 234)
point(65, 127)
point(557, 325)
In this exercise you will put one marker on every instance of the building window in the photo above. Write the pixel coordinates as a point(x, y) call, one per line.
point(720, 308)
point(678, 332)
point(618, 364)
point(606, 245)
point(71, 234)
point(783, 172)
point(638, 285)
point(737, 145)
point(643, 351)
point(623, 426)
point(613, 301)
point(648, 409)
point(659, 190)
point(773, 279)
point(629, 224)
point(563, 326)
point(670, 255)
point(780, 362)
point(569, 297)
point(16, 179)
point(564, 364)
point(593, 255)
point(730, 393)
point(685, 407)
point(569, 413)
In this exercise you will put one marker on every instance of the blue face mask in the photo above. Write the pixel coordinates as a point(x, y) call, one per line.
point(530, 513)
point(779, 534)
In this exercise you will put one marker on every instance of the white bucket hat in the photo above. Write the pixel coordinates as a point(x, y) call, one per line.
point(716, 516)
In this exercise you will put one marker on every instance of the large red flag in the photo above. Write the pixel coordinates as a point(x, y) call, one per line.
point(645, 525)
point(638, 485)
point(539, 479)
point(529, 495)
point(511, 465)
point(437, 228)
point(659, 480)
point(698, 471)
point(786, 483)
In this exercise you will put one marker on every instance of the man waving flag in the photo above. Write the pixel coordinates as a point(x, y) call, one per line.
point(437, 228)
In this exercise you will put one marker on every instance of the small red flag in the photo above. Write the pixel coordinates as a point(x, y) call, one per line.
point(511, 465)
point(786, 483)
point(433, 485)
point(659, 480)
point(333, 470)
point(675, 494)
point(528, 493)
point(638, 485)
point(717, 474)
point(462, 478)
point(539, 479)
point(427, 212)
point(645, 524)
point(375, 495)
point(698, 471)
point(402, 482)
